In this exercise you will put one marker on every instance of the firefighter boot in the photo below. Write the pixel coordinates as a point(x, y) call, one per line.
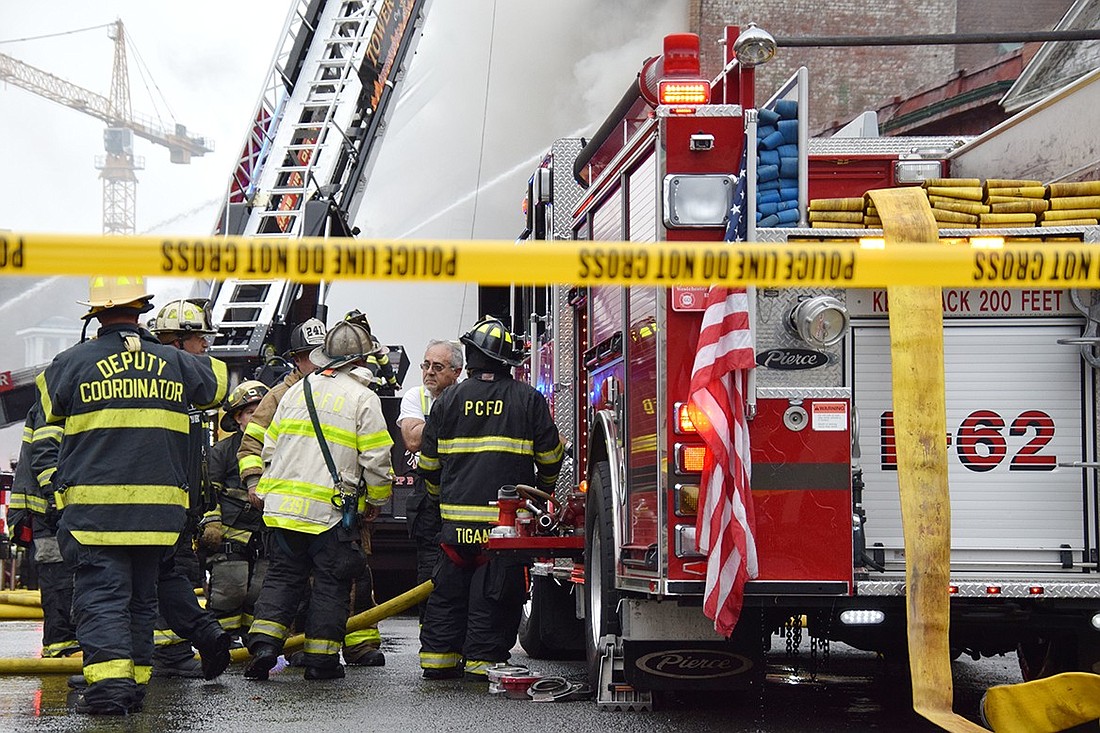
point(263, 659)
point(361, 655)
point(83, 706)
point(443, 673)
point(215, 657)
point(328, 671)
point(188, 668)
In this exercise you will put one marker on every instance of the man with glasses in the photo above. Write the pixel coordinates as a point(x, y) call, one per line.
point(441, 368)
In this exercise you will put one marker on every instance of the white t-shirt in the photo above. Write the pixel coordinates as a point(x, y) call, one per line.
point(416, 403)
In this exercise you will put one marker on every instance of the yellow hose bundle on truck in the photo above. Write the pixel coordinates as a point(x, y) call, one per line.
point(21, 598)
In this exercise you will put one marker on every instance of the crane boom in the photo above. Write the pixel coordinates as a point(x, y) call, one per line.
point(118, 165)
point(44, 84)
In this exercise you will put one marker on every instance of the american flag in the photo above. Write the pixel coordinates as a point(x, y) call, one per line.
point(725, 525)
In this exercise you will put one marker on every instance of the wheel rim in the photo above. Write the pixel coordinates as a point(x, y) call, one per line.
point(594, 581)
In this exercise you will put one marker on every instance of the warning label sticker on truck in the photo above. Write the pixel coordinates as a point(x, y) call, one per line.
point(829, 416)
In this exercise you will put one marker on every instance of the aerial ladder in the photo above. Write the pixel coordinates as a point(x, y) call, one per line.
point(302, 168)
point(307, 156)
point(118, 166)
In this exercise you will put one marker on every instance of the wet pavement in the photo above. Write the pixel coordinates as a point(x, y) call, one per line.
point(853, 693)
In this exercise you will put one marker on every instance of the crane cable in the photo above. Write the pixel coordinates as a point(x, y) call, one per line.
point(55, 35)
point(481, 149)
point(146, 75)
point(484, 115)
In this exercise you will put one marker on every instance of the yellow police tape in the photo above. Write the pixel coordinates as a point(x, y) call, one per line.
point(975, 262)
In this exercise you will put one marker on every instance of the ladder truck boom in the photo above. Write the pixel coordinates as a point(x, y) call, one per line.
point(308, 154)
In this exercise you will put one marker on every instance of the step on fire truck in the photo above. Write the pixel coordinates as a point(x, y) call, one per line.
point(615, 557)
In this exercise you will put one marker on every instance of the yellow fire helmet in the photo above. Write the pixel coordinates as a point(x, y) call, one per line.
point(105, 292)
point(244, 394)
point(185, 315)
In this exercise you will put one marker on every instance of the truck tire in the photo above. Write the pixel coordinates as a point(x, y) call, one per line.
point(549, 627)
point(1045, 657)
point(601, 600)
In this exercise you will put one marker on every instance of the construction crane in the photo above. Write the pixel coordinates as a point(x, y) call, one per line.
point(117, 167)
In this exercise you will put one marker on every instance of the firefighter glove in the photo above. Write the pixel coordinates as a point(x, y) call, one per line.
point(254, 499)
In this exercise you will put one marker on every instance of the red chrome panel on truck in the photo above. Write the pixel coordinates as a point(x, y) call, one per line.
point(831, 176)
point(801, 488)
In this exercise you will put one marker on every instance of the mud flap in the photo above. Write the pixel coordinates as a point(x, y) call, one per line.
point(736, 663)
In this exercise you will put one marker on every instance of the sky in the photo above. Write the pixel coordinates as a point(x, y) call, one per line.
point(492, 85)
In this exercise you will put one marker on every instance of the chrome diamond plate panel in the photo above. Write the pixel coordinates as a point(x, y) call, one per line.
point(978, 589)
point(567, 194)
point(802, 393)
point(772, 308)
point(884, 145)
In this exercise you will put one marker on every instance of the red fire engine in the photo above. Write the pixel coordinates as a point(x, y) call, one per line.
point(616, 561)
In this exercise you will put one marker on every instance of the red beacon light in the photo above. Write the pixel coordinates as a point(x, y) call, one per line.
point(677, 75)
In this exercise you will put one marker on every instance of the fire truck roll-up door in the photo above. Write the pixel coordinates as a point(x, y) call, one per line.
point(1018, 405)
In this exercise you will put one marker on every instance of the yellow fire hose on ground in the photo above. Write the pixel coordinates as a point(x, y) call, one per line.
point(21, 597)
point(359, 621)
point(74, 664)
point(916, 348)
point(20, 611)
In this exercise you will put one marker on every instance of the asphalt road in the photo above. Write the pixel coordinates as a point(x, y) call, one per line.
point(852, 693)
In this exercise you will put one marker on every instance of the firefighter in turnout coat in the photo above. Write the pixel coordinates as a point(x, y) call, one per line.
point(185, 324)
point(315, 514)
point(232, 530)
point(360, 647)
point(32, 490)
point(485, 432)
point(305, 337)
point(121, 400)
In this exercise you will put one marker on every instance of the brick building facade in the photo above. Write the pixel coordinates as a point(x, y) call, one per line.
point(845, 81)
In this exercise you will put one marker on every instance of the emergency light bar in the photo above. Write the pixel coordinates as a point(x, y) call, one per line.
point(674, 93)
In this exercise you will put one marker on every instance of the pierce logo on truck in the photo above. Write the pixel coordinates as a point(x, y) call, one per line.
point(792, 359)
point(694, 663)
